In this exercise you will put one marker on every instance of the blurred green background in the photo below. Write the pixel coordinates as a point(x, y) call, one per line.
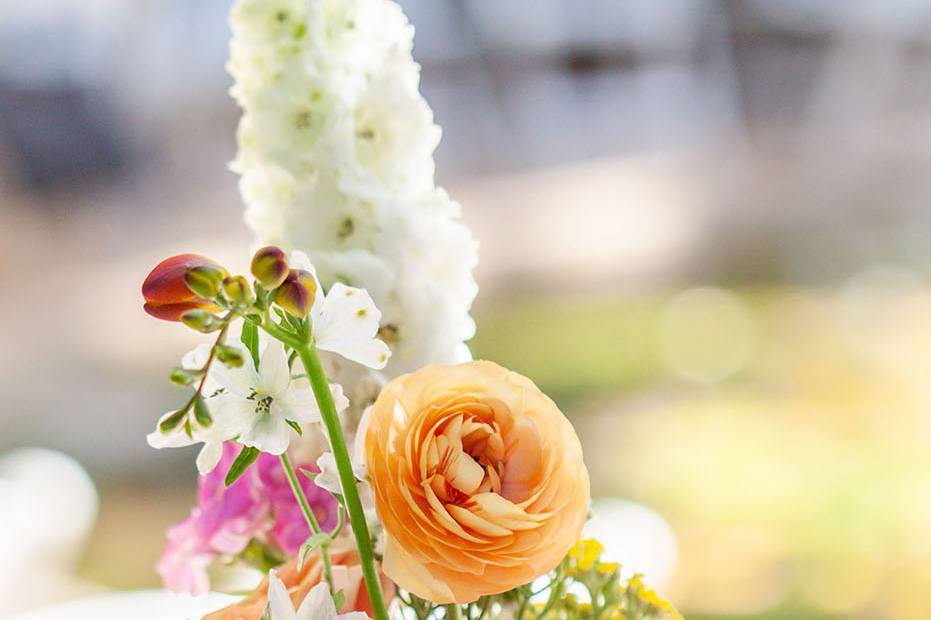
point(704, 230)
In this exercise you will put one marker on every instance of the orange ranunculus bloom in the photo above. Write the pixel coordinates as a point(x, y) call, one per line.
point(478, 479)
point(167, 296)
point(347, 576)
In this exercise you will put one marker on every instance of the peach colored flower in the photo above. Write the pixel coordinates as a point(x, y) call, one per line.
point(347, 576)
point(478, 480)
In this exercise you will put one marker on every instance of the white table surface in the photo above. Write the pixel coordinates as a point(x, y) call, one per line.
point(140, 605)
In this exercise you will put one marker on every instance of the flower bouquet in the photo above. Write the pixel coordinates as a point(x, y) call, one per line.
point(350, 449)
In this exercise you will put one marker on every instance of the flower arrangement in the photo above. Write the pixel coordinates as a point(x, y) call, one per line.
point(349, 447)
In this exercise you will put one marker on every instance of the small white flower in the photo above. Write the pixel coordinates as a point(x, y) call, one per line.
point(222, 429)
point(328, 478)
point(317, 605)
point(345, 321)
point(263, 401)
point(211, 436)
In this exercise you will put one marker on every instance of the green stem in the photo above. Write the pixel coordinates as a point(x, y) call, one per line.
point(309, 515)
point(453, 612)
point(275, 331)
point(321, 387)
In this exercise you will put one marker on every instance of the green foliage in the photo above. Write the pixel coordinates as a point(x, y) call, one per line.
point(247, 457)
point(250, 339)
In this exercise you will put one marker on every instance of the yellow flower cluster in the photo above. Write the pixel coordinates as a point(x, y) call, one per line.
point(609, 595)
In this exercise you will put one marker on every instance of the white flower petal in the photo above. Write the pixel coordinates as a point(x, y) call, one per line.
point(347, 324)
point(177, 438)
point(298, 402)
point(339, 399)
point(328, 478)
point(234, 381)
point(196, 357)
point(317, 605)
point(269, 434)
point(279, 602)
point(232, 416)
point(209, 456)
point(274, 374)
point(358, 445)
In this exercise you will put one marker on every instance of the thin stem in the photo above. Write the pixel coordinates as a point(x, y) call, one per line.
point(274, 330)
point(213, 353)
point(321, 387)
point(309, 515)
point(340, 523)
point(555, 593)
point(453, 612)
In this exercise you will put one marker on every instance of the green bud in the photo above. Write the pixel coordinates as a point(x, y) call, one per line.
point(204, 280)
point(236, 290)
point(201, 320)
point(201, 413)
point(296, 294)
point(231, 356)
point(183, 376)
point(270, 266)
point(171, 422)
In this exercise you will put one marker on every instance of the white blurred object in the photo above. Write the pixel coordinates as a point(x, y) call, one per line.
point(145, 605)
point(636, 537)
point(49, 507)
point(707, 334)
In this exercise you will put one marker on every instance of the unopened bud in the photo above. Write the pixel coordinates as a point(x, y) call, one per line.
point(201, 413)
point(201, 320)
point(296, 294)
point(166, 292)
point(204, 280)
point(270, 266)
point(171, 422)
point(231, 356)
point(183, 376)
point(236, 290)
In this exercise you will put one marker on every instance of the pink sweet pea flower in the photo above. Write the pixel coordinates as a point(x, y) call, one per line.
point(259, 505)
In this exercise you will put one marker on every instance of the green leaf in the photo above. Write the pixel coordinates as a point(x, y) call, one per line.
point(338, 599)
point(296, 427)
point(309, 474)
point(309, 545)
point(246, 458)
point(201, 413)
point(250, 338)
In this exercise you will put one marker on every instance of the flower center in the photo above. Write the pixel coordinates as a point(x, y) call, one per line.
point(465, 457)
point(263, 402)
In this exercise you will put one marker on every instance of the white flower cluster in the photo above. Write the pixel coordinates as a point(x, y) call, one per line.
point(336, 159)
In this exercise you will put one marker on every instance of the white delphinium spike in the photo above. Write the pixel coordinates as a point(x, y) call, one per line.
point(336, 159)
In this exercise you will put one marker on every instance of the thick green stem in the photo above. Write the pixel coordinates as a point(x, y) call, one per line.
point(309, 515)
point(347, 479)
point(453, 612)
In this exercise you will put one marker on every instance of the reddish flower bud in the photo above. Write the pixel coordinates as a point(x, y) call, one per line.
point(167, 295)
point(270, 266)
point(296, 294)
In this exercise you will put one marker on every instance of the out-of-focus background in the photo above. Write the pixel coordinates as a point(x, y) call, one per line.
point(705, 228)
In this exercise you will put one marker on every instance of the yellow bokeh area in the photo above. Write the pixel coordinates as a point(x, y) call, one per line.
point(784, 433)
